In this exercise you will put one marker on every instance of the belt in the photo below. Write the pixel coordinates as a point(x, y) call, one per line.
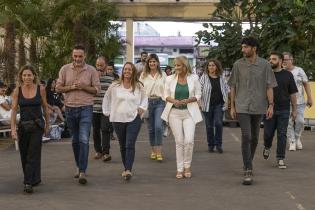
point(154, 97)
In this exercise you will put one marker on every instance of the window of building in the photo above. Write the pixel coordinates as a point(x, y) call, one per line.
point(186, 51)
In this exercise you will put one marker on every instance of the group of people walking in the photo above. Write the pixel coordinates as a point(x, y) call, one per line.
point(181, 100)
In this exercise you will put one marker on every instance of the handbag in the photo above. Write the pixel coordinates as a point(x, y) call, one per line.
point(32, 125)
point(28, 125)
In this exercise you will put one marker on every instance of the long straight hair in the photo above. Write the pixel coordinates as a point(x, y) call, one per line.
point(217, 63)
point(147, 69)
point(134, 79)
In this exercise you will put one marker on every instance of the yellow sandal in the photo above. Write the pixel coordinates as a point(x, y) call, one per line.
point(159, 157)
point(153, 156)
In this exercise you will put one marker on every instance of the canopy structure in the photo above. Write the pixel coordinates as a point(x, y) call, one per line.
point(161, 10)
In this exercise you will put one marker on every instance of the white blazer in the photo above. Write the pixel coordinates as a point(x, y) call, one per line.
point(194, 91)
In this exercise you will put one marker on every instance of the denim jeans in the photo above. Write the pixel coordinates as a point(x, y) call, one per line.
point(155, 125)
point(214, 125)
point(279, 122)
point(127, 134)
point(79, 120)
point(102, 129)
point(296, 128)
point(250, 126)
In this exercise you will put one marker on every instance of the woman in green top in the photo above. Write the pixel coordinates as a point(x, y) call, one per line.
point(182, 91)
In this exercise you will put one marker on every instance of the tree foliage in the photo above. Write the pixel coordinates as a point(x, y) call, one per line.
point(50, 29)
point(287, 25)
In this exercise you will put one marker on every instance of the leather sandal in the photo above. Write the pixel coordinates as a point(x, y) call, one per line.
point(187, 173)
point(179, 175)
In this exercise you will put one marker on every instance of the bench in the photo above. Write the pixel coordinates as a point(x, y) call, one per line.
point(5, 130)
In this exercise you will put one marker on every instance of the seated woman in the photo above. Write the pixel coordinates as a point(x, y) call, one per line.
point(55, 105)
point(5, 107)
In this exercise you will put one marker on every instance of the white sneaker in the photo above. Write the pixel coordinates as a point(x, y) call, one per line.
point(281, 164)
point(299, 144)
point(292, 146)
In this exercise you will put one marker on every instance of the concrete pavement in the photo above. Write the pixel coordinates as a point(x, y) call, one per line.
point(216, 181)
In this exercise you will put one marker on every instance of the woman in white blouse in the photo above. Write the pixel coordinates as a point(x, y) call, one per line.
point(182, 91)
point(153, 80)
point(124, 103)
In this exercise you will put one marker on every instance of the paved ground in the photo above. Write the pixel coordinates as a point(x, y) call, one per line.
point(216, 181)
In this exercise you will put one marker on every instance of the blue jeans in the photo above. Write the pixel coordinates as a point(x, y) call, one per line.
point(155, 125)
point(250, 126)
point(214, 125)
point(295, 130)
point(279, 122)
point(79, 120)
point(127, 133)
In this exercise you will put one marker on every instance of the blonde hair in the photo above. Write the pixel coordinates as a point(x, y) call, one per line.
point(184, 60)
point(27, 67)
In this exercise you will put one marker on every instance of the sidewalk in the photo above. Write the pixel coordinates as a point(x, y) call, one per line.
point(216, 182)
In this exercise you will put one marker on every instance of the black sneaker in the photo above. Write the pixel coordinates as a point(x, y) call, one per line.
point(248, 180)
point(281, 164)
point(28, 188)
point(220, 150)
point(266, 153)
point(211, 149)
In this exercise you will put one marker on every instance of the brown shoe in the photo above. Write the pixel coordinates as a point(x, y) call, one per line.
point(82, 178)
point(107, 157)
point(179, 175)
point(187, 173)
point(98, 156)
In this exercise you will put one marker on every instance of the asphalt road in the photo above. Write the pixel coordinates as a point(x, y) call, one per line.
point(216, 182)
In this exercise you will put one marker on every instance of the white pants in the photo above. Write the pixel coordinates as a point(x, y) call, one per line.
point(183, 128)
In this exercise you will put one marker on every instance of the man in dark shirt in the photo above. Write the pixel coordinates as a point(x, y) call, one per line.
point(284, 93)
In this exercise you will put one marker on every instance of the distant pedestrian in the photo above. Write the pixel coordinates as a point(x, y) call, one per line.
point(284, 93)
point(140, 66)
point(213, 102)
point(30, 98)
point(168, 70)
point(251, 83)
point(182, 91)
point(295, 128)
point(153, 80)
point(80, 82)
point(124, 103)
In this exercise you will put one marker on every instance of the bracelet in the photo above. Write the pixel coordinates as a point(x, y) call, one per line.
point(271, 104)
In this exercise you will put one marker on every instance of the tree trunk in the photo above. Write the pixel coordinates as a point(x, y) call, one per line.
point(21, 49)
point(33, 51)
point(80, 35)
point(9, 53)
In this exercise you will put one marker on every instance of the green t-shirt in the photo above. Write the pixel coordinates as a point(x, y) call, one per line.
point(181, 92)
